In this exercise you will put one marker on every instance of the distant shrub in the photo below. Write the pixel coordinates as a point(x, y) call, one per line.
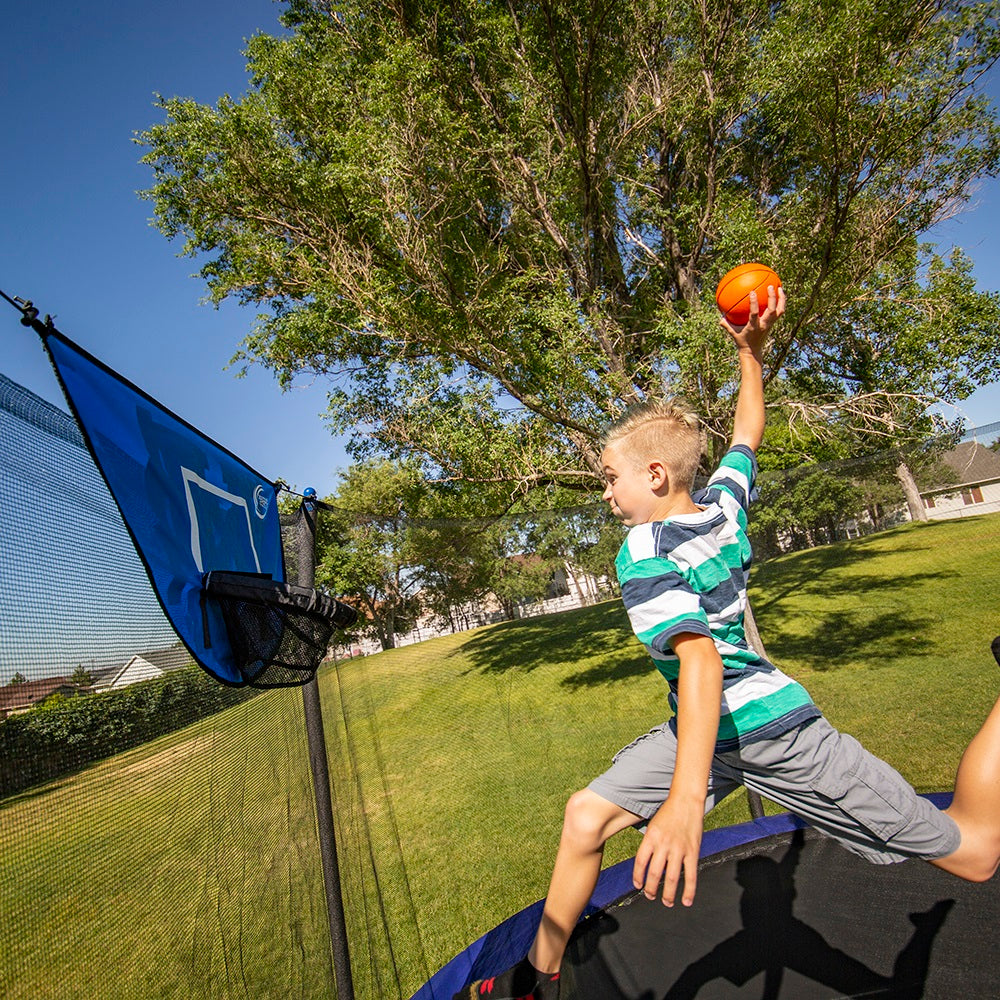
point(65, 734)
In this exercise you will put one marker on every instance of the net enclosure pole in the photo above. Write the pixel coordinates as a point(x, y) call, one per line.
point(306, 577)
point(757, 645)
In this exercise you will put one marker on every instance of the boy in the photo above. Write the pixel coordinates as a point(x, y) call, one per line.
point(683, 570)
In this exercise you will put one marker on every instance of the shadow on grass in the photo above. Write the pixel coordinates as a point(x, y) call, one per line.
point(817, 572)
point(37, 791)
point(890, 622)
point(620, 668)
point(565, 639)
point(839, 637)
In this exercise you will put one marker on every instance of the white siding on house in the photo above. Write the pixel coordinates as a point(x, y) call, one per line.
point(965, 500)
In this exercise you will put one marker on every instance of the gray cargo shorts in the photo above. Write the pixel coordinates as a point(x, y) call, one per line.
point(821, 775)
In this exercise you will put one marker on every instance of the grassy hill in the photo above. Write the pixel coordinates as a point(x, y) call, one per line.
point(189, 867)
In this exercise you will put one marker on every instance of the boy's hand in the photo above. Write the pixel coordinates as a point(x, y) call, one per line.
point(753, 333)
point(669, 849)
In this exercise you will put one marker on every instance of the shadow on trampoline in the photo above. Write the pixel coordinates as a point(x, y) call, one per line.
point(797, 918)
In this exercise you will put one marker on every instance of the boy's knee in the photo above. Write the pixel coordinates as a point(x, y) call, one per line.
point(589, 819)
point(983, 874)
point(971, 871)
point(579, 814)
point(981, 865)
point(581, 821)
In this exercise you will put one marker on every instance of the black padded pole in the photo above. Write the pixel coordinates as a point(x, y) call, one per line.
point(757, 645)
point(306, 577)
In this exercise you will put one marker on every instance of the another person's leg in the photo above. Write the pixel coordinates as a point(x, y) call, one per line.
point(976, 803)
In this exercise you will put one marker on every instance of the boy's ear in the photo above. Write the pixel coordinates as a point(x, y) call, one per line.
point(658, 478)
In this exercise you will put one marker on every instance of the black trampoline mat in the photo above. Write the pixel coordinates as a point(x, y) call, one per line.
point(795, 915)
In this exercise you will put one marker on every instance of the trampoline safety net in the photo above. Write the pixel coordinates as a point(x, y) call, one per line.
point(158, 829)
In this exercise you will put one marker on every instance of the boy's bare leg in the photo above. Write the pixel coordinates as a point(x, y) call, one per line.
point(589, 821)
point(976, 804)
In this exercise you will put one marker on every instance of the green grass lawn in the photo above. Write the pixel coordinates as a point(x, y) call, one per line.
point(189, 867)
point(184, 868)
point(891, 635)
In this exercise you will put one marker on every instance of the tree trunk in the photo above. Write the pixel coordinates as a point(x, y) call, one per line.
point(387, 632)
point(913, 501)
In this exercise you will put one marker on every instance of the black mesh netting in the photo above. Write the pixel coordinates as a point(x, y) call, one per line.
point(279, 633)
point(158, 830)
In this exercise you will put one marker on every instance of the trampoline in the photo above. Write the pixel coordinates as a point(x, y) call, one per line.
point(782, 912)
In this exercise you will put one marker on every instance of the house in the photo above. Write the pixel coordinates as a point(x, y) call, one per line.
point(977, 486)
point(15, 698)
point(144, 667)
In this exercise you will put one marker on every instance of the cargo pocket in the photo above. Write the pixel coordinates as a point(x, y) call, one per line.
point(653, 733)
point(867, 789)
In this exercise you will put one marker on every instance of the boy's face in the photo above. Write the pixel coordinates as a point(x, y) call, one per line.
point(628, 487)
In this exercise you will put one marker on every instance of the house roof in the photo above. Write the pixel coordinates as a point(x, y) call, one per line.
point(100, 675)
point(163, 660)
point(172, 658)
point(13, 696)
point(973, 462)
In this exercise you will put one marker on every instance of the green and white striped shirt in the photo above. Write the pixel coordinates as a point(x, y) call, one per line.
point(688, 574)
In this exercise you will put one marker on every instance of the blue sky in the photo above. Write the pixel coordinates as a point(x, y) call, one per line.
point(76, 81)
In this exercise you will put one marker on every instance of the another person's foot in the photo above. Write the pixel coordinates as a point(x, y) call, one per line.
point(995, 646)
point(522, 982)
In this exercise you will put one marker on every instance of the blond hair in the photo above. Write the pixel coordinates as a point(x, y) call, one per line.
point(660, 429)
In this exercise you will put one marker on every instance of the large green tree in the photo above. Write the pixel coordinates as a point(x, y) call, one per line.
point(400, 548)
point(365, 549)
point(491, 225)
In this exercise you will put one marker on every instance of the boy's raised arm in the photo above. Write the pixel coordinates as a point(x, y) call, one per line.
point(748, 424)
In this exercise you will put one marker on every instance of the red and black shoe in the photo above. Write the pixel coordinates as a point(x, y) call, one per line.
point(522, 982)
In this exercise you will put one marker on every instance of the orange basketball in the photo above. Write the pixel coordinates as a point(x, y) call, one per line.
point(733, 294)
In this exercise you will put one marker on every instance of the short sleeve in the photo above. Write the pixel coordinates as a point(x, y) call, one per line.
point(736, 475)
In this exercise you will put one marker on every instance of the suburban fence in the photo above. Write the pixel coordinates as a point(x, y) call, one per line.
point(475, 617)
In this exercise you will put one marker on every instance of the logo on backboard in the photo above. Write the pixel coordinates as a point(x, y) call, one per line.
point(261, 501)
